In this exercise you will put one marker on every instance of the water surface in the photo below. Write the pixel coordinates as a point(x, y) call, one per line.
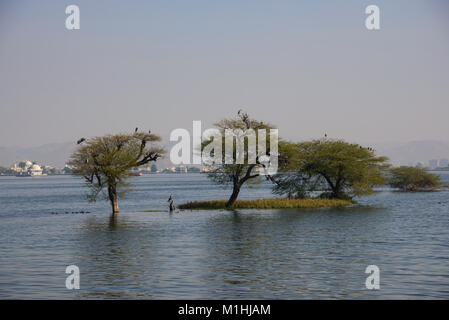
point(250, 254)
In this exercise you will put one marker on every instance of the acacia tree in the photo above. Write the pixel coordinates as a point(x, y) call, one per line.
point(238, 173)
point(339, 168)
point(413, 179)
point(106, 162)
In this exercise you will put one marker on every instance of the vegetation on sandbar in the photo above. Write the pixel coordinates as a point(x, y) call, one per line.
point(332, 170)
point(338, 169)
point(241, 170)
point(272, 203)
point(413, 179)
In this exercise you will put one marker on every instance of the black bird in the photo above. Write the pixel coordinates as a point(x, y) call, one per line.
point(149, 131)
point(169, 199)
point(325, 135)
point(81, 140)
point(136, 130)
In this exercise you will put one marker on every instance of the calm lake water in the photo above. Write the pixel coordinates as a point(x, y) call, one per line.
point(242, 254)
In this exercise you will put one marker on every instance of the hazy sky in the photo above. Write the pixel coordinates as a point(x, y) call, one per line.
point(309, 67)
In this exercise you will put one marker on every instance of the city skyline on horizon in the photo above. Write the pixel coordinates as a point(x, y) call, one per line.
point(409, 153)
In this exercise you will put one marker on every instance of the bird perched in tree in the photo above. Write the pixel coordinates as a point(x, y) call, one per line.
point(149, 131)
point(244, 117)
point(80, 141)
point(136, 130)
point(325, 135)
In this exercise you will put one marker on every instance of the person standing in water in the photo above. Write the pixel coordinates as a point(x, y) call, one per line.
point(171, 204)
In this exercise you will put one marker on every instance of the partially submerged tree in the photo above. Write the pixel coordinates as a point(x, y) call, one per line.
point(244, 163)
point(338, 168)
point(106, 162)
point(413, 179)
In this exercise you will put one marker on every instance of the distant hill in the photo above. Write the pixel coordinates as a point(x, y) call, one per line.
point(54, 154)
point(57, 154)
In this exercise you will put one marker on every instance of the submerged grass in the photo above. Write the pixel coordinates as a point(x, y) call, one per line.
point(272, 203)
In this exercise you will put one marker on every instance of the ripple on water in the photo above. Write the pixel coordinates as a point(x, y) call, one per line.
point(286, 254)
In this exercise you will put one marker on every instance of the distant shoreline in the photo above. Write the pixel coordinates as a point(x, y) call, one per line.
point(143, 173)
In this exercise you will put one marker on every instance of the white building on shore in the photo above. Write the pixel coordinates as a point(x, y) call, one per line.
point(27, 168)
point(35, 170)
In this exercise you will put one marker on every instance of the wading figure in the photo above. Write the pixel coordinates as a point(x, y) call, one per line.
point(171, 204)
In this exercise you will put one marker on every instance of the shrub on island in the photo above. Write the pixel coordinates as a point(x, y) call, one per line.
point(274, 203)
point(413, 179)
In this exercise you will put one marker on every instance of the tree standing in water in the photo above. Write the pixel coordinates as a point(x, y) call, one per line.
point(106, 162)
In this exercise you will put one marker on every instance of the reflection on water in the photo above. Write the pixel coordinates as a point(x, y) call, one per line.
point(287, 254)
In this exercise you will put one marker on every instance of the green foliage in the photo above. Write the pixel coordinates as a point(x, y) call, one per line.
point(22, 164)
point(338, 168)
point(106, 162)
point(238, 173)
point(49, 170)
point(6, 171)
point(413, 179)
point(229, 173)
point(67, 170)
point(296, 184)
point(276, 203)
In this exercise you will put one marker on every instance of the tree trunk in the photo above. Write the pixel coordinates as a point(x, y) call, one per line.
point(113, 198)
point(234, 195)
point(337, 193)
